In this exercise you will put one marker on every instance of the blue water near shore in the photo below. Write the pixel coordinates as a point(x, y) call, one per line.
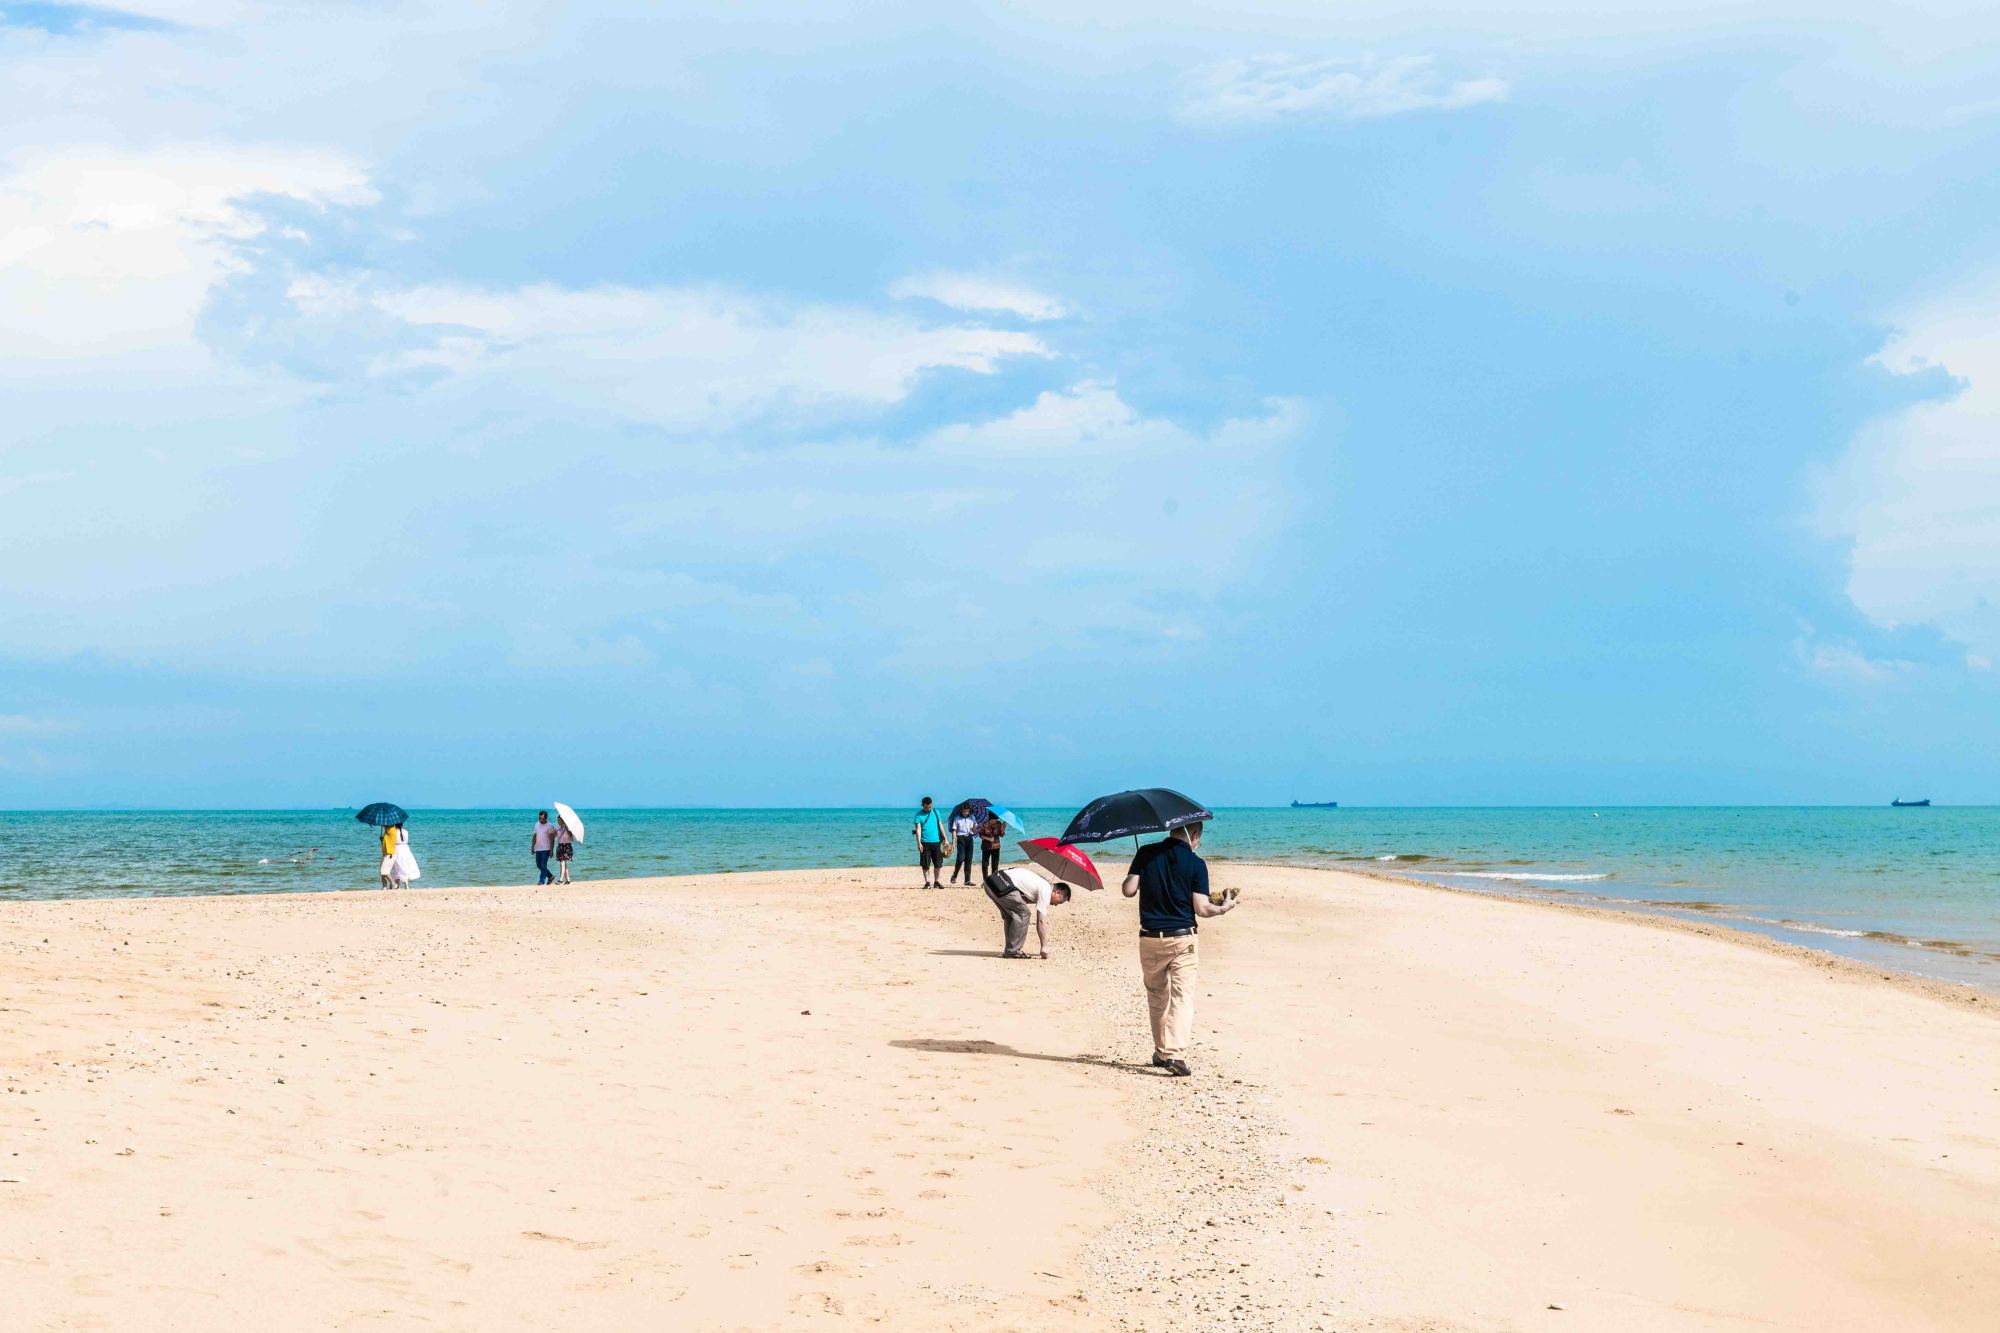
point(1915, 890)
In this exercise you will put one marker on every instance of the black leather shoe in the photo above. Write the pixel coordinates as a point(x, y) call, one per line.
point(1175, 1068)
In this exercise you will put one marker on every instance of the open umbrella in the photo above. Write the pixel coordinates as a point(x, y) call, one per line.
point(1068, 864)
point(382, 814)
point(979, 807)
point(1127, 814)
point(569, 820)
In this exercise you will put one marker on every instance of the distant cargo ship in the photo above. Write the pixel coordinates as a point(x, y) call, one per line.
point(1335, 805)
point(1900, 805)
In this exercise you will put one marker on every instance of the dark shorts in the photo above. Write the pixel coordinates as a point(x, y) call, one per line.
point(930, 856)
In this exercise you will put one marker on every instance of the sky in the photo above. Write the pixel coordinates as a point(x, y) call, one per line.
point(745, 404)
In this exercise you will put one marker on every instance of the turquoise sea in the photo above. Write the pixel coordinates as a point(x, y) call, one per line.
point(1917, 890)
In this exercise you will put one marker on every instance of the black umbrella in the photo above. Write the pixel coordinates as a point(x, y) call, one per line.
point(382, 814)
point(976, 806)
point(1130, 813)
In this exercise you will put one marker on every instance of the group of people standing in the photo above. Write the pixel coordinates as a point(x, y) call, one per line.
point(962, 832)
point(1168, 877)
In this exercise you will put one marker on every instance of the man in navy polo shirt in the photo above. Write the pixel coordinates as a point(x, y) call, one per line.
point(1170, 880)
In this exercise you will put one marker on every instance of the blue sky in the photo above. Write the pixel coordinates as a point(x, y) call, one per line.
point(462, 403)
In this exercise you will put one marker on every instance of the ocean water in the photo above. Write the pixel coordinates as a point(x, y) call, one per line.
point(1915, 890)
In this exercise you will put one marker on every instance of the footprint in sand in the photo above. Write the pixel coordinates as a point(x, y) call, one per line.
point(889, 1241)
point(566, 1240)
point(822, 1268)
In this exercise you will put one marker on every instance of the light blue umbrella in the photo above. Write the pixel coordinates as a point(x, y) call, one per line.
point(1007, 816)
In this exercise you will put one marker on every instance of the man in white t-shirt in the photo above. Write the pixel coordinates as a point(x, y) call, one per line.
point(1023, 895)
point(543, 842)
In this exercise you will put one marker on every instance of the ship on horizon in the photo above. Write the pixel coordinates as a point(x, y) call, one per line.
point(1899, 803)
point(1315, 805)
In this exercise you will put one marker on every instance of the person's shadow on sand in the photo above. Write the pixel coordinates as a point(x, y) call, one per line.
point(970, 1046)
point(967, 953)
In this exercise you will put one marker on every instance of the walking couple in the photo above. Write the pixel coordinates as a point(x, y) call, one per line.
point(551, 839)
point(399, 865)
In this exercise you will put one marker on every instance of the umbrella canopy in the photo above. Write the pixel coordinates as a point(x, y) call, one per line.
point(979, 807)
point(1068, 864)
point(569, 820)
point(1130, 813)
point(382, 814)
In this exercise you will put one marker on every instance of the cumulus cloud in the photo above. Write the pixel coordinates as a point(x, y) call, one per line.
point(1274, 87)
point(682, 358)
point(1916, 495)
point(107, 253)
point(971, 291)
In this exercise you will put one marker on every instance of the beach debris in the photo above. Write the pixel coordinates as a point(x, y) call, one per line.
point(1555, 1306)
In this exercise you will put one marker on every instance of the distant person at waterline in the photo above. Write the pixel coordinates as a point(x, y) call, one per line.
point(565, 849)
point(964, 834)
point(403, 862)
point(543, 842)
point(929, 833)
point(1023, 895)
point(1170, 880)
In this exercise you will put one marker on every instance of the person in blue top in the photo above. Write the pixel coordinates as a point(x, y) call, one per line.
point(1170, 880)
point(929, 831)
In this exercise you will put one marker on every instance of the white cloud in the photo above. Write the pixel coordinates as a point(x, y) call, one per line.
point(21, 724)
point(1212, 499)
point(108, 253)
point(1272, 87)
point(970, 291)
point(1917, 494)
point(1843, 662)
point(682, 358)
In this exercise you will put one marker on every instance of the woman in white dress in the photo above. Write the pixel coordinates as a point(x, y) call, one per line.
point(405, 865)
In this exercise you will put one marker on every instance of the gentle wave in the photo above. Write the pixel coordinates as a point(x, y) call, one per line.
point(1520, 875)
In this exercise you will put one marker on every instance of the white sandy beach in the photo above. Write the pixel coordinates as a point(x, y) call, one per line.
point(817, 1099)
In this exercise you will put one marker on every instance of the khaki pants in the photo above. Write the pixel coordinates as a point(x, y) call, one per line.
point(1168, 966)
point(1016, 915)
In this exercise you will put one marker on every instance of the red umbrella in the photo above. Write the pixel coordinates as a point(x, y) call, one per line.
point(1065, 863)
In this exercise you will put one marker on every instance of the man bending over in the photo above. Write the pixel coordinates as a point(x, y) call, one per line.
point(1023, 896)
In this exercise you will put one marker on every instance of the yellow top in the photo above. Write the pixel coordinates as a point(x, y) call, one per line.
point(388, 842)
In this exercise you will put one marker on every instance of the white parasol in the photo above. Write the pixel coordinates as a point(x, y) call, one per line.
point(569, 820)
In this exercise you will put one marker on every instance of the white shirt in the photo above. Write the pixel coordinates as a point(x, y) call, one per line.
point(965, 826)
point(1034, 888)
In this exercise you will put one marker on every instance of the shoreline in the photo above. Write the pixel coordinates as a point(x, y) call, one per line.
point(1984, 992)
point(806, 1099)
point(1965, 993)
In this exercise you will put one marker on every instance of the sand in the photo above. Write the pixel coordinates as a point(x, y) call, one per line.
point(820, 1100)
